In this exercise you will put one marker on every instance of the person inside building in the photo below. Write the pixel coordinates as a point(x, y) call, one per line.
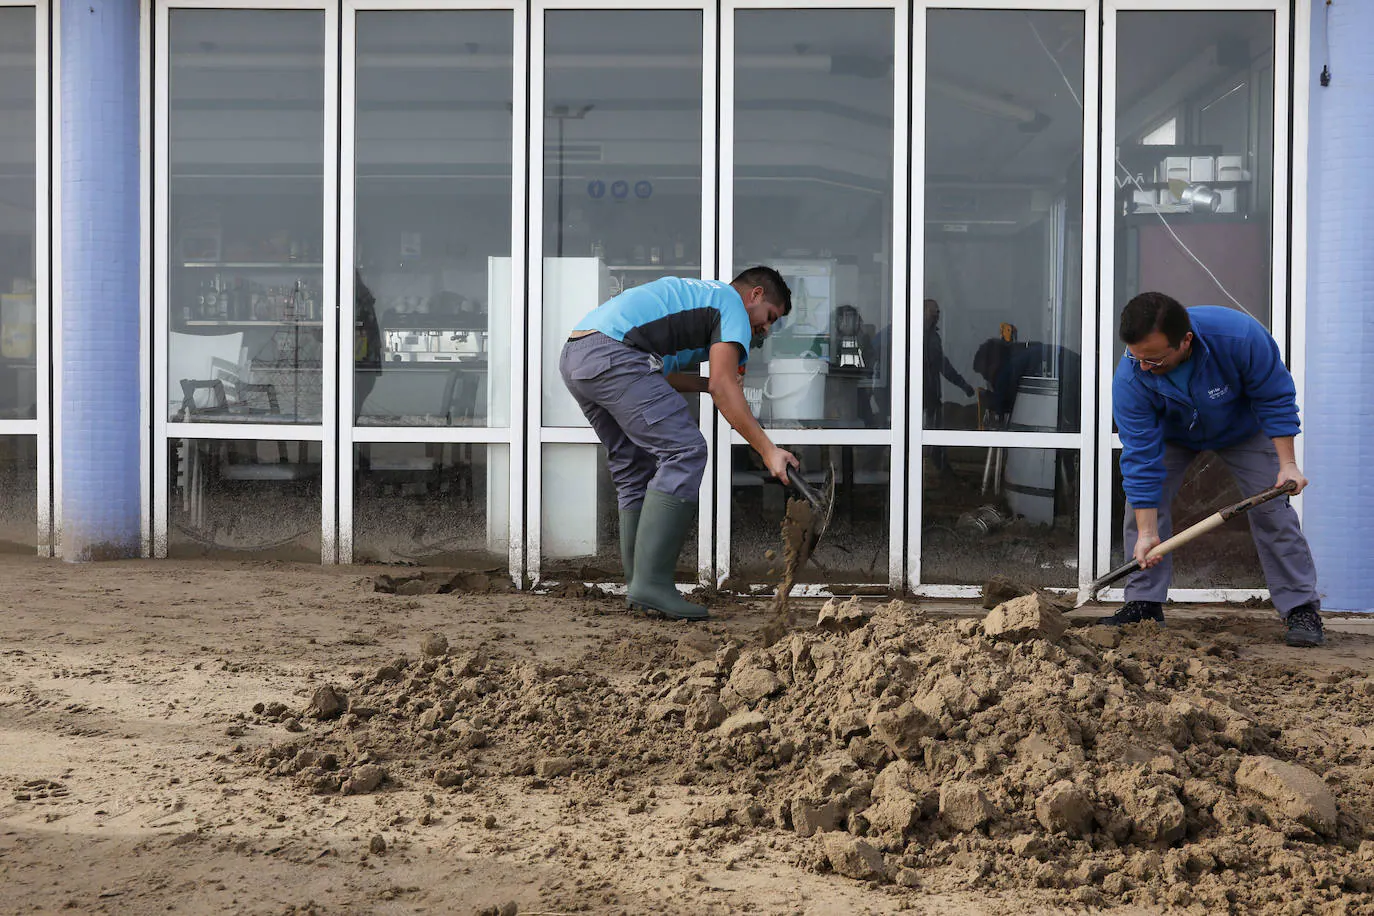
point(625, 363)
point(1208, 378)
point(936, 366)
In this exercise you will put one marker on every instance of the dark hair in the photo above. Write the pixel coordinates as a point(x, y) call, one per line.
point(774, 286)
point(1150, 312)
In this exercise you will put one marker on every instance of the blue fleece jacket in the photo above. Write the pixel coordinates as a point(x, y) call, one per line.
point(1239, 387)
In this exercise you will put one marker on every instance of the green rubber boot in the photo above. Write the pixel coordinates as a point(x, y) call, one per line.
point(663, 527)
point(629, 524)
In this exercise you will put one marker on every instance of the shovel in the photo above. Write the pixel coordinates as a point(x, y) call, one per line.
point(821, 499)
point(1215, 520)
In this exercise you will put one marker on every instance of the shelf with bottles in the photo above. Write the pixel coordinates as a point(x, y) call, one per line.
point(219, 299)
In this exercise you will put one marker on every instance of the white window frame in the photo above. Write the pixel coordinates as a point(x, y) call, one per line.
point(1286, 328)
point(41, 426)
point(325, 432)
point(539, 435)
point(892, 437)
point(512, 434)
point(1081, 441)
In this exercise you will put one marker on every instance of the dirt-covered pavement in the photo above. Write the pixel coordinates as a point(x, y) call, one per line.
point(272, 738)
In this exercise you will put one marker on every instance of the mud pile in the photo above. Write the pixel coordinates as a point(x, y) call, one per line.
point(1007, 753)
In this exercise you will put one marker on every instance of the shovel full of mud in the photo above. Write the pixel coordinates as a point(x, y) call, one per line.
point(821, 503)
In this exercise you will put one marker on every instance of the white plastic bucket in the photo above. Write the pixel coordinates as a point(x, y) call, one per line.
point(795, 388)
point(1030, 472)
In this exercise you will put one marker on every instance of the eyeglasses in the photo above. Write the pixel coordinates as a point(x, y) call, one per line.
point(1147, 363)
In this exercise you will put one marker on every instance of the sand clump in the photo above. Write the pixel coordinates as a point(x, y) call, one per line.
point(892, 747)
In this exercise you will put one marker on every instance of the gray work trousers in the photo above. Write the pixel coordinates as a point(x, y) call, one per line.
point(649, 435)
point(1283, 551)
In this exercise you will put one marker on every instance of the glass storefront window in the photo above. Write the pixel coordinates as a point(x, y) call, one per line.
point(431, 337)
point(814, 143)
point(1194, 160)
point(246, 149)
point(580, 519)
point(1003, 229)
point(18, 220)
point(433, 503)
point(18, 493)
point(622, 166)
point(855, 547)
point(233, 497)
point(1227, 557)
point(1014, 512)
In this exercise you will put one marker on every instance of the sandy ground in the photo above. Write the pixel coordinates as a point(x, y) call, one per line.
point(133, 776)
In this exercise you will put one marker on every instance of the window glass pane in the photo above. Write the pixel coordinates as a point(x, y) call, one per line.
point(1003, 227)
point(431, 337)
point(18, 219)
point(18, 494)
point(579, 536)
point(622, 166)
point(1226, 558)
point(855, 546)
point(1012, 511)
point(813, 198)
point(246, 148)
point(232, 497)
point(1210, 75)
point(434, 503)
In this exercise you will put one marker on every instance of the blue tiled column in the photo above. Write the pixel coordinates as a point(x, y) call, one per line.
point(99, 459)
point(1338, 417)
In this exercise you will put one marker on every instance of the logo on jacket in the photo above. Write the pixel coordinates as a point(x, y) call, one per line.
point(1221, 392)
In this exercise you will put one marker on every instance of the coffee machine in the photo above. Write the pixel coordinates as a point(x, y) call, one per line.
point(847, 351)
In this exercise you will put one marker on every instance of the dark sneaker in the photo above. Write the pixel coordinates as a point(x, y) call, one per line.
point(1135, 612)
point(1305, 626)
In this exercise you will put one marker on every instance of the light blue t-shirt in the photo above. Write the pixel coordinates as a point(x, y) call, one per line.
point(675, 318)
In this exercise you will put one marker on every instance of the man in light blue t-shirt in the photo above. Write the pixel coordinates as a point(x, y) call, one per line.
point(625, 364)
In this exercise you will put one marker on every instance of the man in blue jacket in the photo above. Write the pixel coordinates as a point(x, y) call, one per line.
point(625, 363)
point(1208, 378)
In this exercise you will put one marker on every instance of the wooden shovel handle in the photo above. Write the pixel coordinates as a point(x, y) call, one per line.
point(1192, 532)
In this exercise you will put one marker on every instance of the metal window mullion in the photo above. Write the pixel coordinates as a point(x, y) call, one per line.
point(159, 305)
point(348, 279)
point(521, 229)
point(1106, 290)
point(915, 336)
point(725, 238)
point(1300, 80)
point(54, 375)
point(534, 309)
point(329, 383)
point(707, 570)
point(145, 300)
point(900, 285)
point(44, 223)
point(1090, 318)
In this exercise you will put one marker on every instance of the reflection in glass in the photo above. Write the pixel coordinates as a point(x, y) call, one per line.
point(1012, 511)
point(1195, 153)
point(622, 166)
point(18, 494)
point(813, 197)
point(1003, 219)
point(246, 146)
point(434, 503)
point(231, 497)
point(431, 338)
point(580, 519)
point(18, 219)
point(1226, 558)
point(855, 548)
